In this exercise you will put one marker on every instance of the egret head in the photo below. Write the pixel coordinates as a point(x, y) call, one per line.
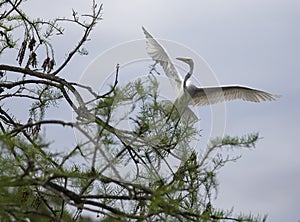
point(188, 61)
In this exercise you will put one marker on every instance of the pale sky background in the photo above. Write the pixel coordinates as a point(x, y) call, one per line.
point(254, 43)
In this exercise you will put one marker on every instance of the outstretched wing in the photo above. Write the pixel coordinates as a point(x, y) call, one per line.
point(159, 54)
point(213, 95)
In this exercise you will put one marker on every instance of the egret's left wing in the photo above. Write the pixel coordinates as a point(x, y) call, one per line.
point(160, 55)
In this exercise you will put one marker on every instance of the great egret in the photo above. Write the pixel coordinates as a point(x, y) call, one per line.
point(200, 96)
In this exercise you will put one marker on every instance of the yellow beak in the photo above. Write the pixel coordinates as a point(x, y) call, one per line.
point(183, 59)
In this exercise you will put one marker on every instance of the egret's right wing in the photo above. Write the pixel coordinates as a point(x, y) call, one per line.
point(159, 54)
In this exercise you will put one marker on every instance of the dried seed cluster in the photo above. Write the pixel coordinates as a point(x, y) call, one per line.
point(47, 65)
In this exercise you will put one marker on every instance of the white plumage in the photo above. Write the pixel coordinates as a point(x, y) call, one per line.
point(201, 96)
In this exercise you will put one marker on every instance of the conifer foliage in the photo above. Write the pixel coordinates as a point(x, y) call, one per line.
point(146, 173)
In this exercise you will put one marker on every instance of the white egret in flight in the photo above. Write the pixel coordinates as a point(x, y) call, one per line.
point(205, 95)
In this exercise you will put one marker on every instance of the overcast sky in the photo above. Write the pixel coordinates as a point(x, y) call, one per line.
point(254, 43)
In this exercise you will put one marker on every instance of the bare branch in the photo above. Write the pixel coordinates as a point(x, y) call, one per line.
point(88, 29)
